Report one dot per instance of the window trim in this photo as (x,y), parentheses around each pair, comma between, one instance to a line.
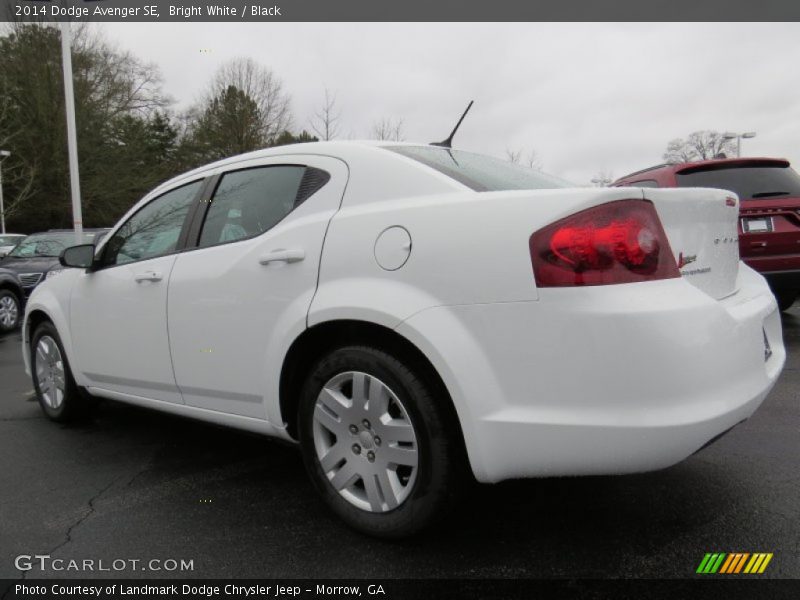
(180,245)
(196,229)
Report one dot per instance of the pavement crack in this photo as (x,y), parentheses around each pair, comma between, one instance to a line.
(144,469)
(87,513)
(90,509)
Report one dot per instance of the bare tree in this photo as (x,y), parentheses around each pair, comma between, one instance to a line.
(513,156)
(698,145)
(532,159)
(111,87)
(259,84)
(325,122)
(603,178)
(388,129)
(116,82)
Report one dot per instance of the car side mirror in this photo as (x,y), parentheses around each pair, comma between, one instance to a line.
(81,257)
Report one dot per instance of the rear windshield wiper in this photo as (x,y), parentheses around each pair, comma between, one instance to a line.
(768,194)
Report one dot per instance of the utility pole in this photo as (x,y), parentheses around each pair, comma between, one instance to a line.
(72,136)
(3,155)
(738,137)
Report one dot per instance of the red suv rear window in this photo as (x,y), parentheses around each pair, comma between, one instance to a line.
(752,182)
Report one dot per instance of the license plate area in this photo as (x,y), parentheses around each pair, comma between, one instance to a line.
(757,225)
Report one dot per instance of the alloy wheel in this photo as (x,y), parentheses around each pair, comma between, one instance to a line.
(49,368)
(9,312)
(365,441)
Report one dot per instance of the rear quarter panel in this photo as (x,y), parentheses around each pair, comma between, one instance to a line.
(466,248)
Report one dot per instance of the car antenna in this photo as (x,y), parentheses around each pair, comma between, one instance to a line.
(448,143)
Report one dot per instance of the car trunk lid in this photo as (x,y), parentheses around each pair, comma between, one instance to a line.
(701,227)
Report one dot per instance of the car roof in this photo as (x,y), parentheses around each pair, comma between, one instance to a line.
(338,149)
(708,165)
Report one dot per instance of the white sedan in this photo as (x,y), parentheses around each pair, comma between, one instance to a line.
(411,314)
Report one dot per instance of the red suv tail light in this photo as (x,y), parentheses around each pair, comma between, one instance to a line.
(618,242)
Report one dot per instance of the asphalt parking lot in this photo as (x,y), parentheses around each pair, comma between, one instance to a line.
(134,484)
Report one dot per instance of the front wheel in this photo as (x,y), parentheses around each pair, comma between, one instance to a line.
(58,395)
(9,310)
(375,442)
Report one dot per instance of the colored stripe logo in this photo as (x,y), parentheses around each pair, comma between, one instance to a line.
(734,563)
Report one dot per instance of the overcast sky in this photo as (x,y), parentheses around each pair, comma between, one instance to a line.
(585,97)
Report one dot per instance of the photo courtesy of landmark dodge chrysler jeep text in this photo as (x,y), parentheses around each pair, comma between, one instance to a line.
(410,313)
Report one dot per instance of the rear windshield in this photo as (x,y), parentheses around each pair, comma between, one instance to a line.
(749,183)
(479,172)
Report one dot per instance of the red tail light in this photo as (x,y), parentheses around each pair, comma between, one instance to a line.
(618,242)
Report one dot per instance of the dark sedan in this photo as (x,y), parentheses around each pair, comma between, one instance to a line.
(36,257)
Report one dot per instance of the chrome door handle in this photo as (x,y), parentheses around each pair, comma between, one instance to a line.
(283,255)
(148,276)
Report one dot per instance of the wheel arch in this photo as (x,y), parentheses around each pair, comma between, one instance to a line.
(35,317)
(8,284)
(43,306)
(310,346)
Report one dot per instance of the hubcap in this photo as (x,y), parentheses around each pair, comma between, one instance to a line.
(365,441)
(9,311)
(49,368)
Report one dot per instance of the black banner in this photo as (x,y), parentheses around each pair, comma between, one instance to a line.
(392,589)
(392,10)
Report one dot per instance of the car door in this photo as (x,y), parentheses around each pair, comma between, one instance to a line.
(118,311)
(244,292)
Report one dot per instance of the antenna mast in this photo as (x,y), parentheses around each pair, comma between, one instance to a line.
(448,143)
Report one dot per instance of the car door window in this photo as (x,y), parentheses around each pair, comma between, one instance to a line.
(154,230)
(248,202)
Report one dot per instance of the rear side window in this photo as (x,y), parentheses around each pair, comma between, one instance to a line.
(249,202)
(749,183)
(479,172)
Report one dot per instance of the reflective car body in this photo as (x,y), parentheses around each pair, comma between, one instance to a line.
(435,249)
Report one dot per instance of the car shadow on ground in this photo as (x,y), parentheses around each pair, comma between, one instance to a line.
(237,495)
(512,521)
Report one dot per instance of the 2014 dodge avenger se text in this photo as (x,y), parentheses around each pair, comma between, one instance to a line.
(410,313)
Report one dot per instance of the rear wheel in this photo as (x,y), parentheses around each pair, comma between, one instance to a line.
(785,299)
(55,387)
(9,310)
(375,443)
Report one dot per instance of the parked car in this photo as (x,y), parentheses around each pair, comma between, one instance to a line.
(769,195)
(8,241)
(35,258)
(11,300)
(412,313)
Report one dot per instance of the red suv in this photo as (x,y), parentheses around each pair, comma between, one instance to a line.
(769,224)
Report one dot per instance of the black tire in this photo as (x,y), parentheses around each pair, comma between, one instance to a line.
(439,469)
(785,299)
(7,297)
(73,404)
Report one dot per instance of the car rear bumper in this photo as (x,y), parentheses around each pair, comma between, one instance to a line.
(610,379)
